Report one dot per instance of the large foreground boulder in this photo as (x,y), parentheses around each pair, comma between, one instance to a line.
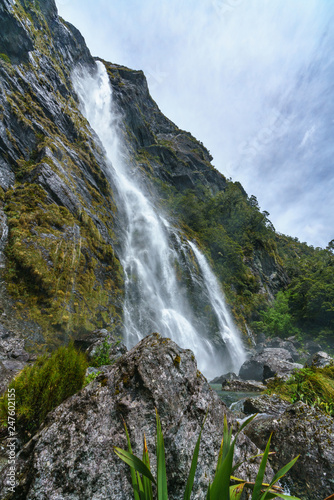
(297,429)
(72,456)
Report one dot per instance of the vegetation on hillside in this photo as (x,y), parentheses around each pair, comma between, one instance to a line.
(314,386)
(306,307)
(244,248)
(311,290)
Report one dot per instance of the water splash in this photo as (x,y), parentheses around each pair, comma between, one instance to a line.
(163,282)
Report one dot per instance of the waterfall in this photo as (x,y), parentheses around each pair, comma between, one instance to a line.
(169,286)
(3,237)
(227,328)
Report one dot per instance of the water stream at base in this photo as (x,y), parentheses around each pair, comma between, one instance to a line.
(169,286)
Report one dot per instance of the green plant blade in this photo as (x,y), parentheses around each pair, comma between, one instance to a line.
(147,484)
(286,497)
(279,475)
(220,487)
(220,455)
(236,491)
(140,489)
(161,463)
(226,442)
(193,467)
(283,471)
(134,462)
(134,481)
(245,423)
(260,474)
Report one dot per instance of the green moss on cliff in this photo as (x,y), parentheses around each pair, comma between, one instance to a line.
(60,271)
(5,58)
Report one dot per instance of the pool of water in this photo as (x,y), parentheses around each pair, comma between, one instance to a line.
(230,397)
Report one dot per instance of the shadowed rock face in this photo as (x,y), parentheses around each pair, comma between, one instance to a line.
(13,357)
(320,359)
(72,456)
(14,41)
(270,362)
(297,430)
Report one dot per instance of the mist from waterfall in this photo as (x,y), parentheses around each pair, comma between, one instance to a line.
(168,281)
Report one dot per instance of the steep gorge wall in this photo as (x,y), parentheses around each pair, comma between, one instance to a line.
(61,271)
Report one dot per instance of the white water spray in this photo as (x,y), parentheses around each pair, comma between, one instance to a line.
(156,284)
(227,328)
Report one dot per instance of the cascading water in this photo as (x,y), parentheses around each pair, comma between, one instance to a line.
(168,282)
(227,327)
(3,237)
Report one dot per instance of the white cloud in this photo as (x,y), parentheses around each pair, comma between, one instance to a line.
(249,78)
(308,136)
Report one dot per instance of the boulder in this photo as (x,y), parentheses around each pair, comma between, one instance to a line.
(223,378)
(269,363)
(276,342)
(264,404)
(92,342)
(312,347)
(298,430)
(115,351)
(85,342)
(295,342)
(252,369)
(284,344)
(243,386)
(72,454)
(13,357)
(231,382)
(319,360)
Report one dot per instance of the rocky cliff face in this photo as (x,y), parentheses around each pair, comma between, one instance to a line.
(161,149)
(61,271)
(59,221)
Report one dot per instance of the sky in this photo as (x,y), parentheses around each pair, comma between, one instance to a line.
(252,79)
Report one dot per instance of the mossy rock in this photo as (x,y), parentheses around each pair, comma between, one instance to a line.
(61,272)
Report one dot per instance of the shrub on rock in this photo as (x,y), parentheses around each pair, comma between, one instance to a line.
(43,386)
